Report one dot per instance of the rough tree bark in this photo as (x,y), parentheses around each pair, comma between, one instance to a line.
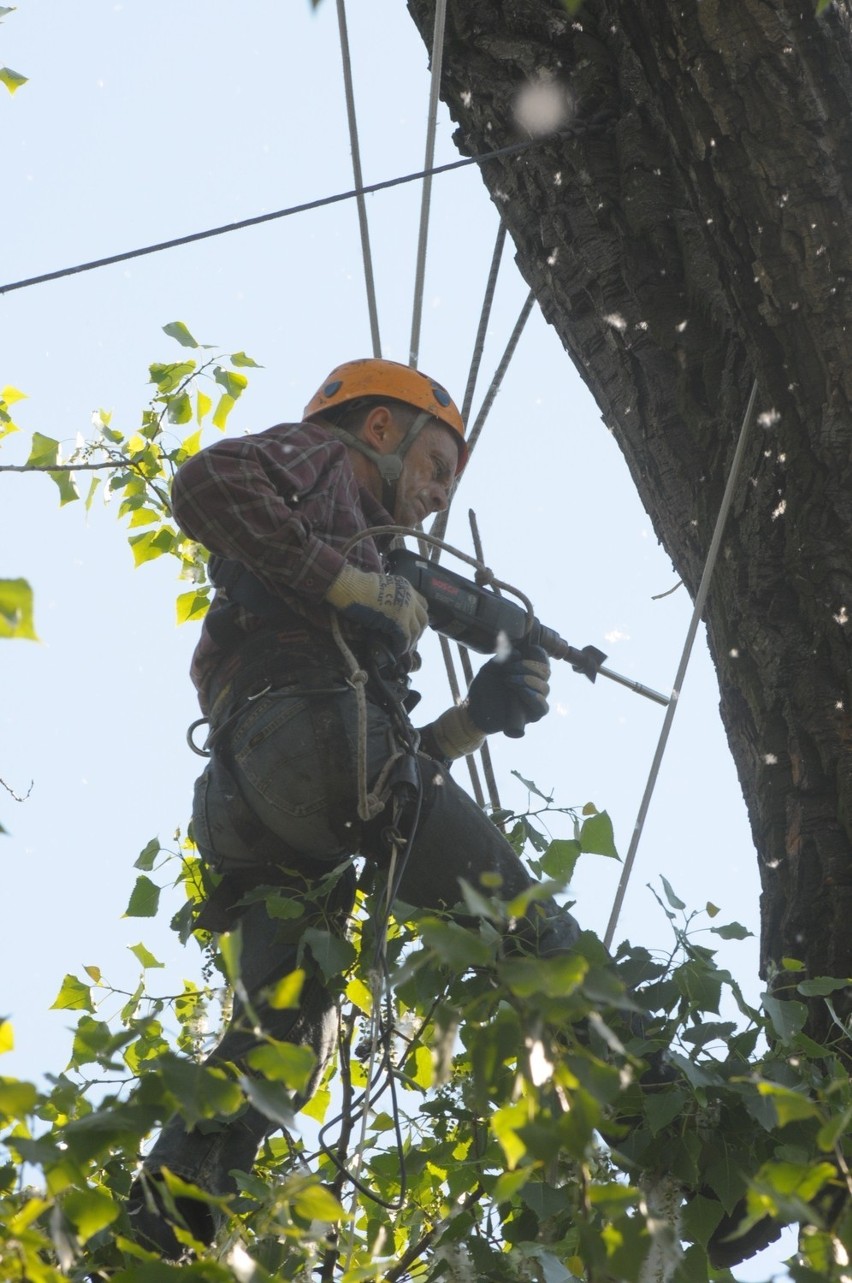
(692,235)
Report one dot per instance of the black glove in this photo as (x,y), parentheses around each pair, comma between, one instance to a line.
(508,693)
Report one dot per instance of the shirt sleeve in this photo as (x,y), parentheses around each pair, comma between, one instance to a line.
(240,499)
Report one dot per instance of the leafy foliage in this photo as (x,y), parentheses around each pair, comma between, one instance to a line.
(540,1119)
(11,79)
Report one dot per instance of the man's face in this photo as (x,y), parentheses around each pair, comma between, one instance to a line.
(428,471)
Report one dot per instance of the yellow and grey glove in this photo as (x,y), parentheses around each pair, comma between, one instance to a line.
(455,734)
(385,604)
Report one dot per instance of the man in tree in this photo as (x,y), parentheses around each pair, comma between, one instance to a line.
(305,768)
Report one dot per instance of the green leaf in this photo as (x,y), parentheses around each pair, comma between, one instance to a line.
(144,899)
(180,408)
(145,957)
(533,788)
(272,1099)
(223,409)
(240,358)
(700,1217)
(554,977)
(169,376)
(203,405)
(733,931)
(331,954)
(73,996)
(16,609)
(17,1098)
(596,836)
(147,857)
(192,605)
(44,451)
(788,1017)
(283,1062)
(821,985)
(12,79)
(89,1211)
(711,909)
(230,947)
(285,994)
(7,1036)
(789,1105)
(177,330)
(151,544)
(318,1204)
(560,858)
(701,985)
(455,945)
(670,895)
(830,1133)
(233,383)
(661,1108)
(200,1091)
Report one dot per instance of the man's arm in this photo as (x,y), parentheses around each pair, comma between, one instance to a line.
(239,498)
(505,695)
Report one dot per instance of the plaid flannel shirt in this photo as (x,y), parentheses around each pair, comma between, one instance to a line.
(282,503)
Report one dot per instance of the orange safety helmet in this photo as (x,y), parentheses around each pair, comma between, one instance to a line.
(374,377)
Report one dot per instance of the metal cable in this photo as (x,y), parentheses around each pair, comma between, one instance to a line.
(484,317)
(359,179)
(303,208)
(420,271)
(698,608)
(439,525)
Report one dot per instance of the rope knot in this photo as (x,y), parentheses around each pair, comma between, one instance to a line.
(358,678)
(484,577)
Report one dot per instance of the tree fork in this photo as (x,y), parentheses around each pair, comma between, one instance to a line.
(693,236)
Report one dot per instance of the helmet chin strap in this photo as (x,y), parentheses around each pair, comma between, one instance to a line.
(389,465)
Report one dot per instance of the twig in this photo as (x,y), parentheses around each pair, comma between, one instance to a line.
(418,1248)
(65,467)
(660,595)
(13,794)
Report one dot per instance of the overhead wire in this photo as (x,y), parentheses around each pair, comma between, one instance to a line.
(304,207)
(426,193)
(355,148)
(697,611)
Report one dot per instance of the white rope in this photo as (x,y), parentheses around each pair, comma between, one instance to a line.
(359,180)
(420,271)
(698,610)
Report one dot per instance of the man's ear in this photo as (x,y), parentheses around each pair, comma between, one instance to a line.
(379,430)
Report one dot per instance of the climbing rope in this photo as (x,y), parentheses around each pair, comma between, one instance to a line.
(426,195)
(697,611)
(359,179)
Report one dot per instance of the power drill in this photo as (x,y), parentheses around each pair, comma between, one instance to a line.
(478,618)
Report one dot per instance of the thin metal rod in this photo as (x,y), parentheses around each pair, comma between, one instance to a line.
(420,271)
(439,525)
(637,687)
(484,317)
(359,178)
(698,610)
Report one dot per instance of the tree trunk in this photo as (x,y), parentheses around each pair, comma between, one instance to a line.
(692,234)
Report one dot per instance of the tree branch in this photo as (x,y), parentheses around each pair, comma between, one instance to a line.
(65,467)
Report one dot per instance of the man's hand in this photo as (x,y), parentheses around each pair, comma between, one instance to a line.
(382,603)
(508,693)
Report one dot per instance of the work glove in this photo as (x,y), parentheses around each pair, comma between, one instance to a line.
(507,694)
(385,604)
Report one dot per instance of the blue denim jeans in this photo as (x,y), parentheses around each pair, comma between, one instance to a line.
(278,804)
